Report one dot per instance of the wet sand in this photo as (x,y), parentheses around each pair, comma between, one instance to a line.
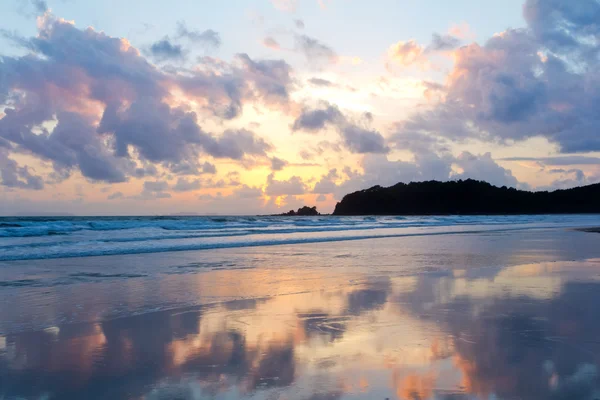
(591,230)
(500,315)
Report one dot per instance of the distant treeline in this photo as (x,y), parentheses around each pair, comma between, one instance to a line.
(466,197)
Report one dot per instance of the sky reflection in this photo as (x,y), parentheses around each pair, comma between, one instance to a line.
(525,331)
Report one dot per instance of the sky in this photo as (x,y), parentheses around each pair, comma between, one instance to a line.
(153,107)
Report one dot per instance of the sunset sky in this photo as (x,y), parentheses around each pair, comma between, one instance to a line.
(261,106)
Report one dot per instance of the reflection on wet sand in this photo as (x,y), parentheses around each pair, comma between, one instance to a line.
(519,332)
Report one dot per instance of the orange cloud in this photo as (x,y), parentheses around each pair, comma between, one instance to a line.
(407,54)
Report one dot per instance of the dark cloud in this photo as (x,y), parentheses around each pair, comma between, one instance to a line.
(277,164)
(146,170)
(159,132)
(164,49)
(271,78)
(356,138)
(227,88)
(235,144)
(321,82)
(40,6)
(14,176)
(564,29)
(299,23)
(115,196)
(443,42)
(207,37)
(417,142)
(155,186)
(314,50)
(186,185)
(313,120)
(555,161)
(209,168)
(74,78)
(360,140)
(536,81)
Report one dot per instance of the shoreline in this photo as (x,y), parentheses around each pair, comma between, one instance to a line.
(590,230)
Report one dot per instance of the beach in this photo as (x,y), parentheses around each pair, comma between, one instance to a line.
(317,308)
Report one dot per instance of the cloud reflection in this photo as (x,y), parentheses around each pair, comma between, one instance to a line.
(376,339)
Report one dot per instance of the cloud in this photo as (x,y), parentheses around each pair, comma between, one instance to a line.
(360,140)
(356,138)
(410,53)
(209,168)
(186,185)
(146,170)
(522,83)
(321,82)
(235,144)
(155,186)
(115,196)
(299,23)
(406,53)
(277,164)
(427,164)
(291,187)
(164,49)
(246,80)
(313,120)
(40,6)
(155,190)
(314,50)
(483,168)
(207,37)
(271,43)
(248,192)
(444,42)
(285,5)
(25,7)
(556,161)
(327,183)
(570,178)
(114,111)
(15,176)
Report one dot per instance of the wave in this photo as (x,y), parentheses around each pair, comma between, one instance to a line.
(39,238)
(34,227)
(91,251)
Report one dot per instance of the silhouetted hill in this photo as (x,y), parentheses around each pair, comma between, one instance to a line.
(466,197)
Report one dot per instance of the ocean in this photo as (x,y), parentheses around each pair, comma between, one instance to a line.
(313,308)
(29,238)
